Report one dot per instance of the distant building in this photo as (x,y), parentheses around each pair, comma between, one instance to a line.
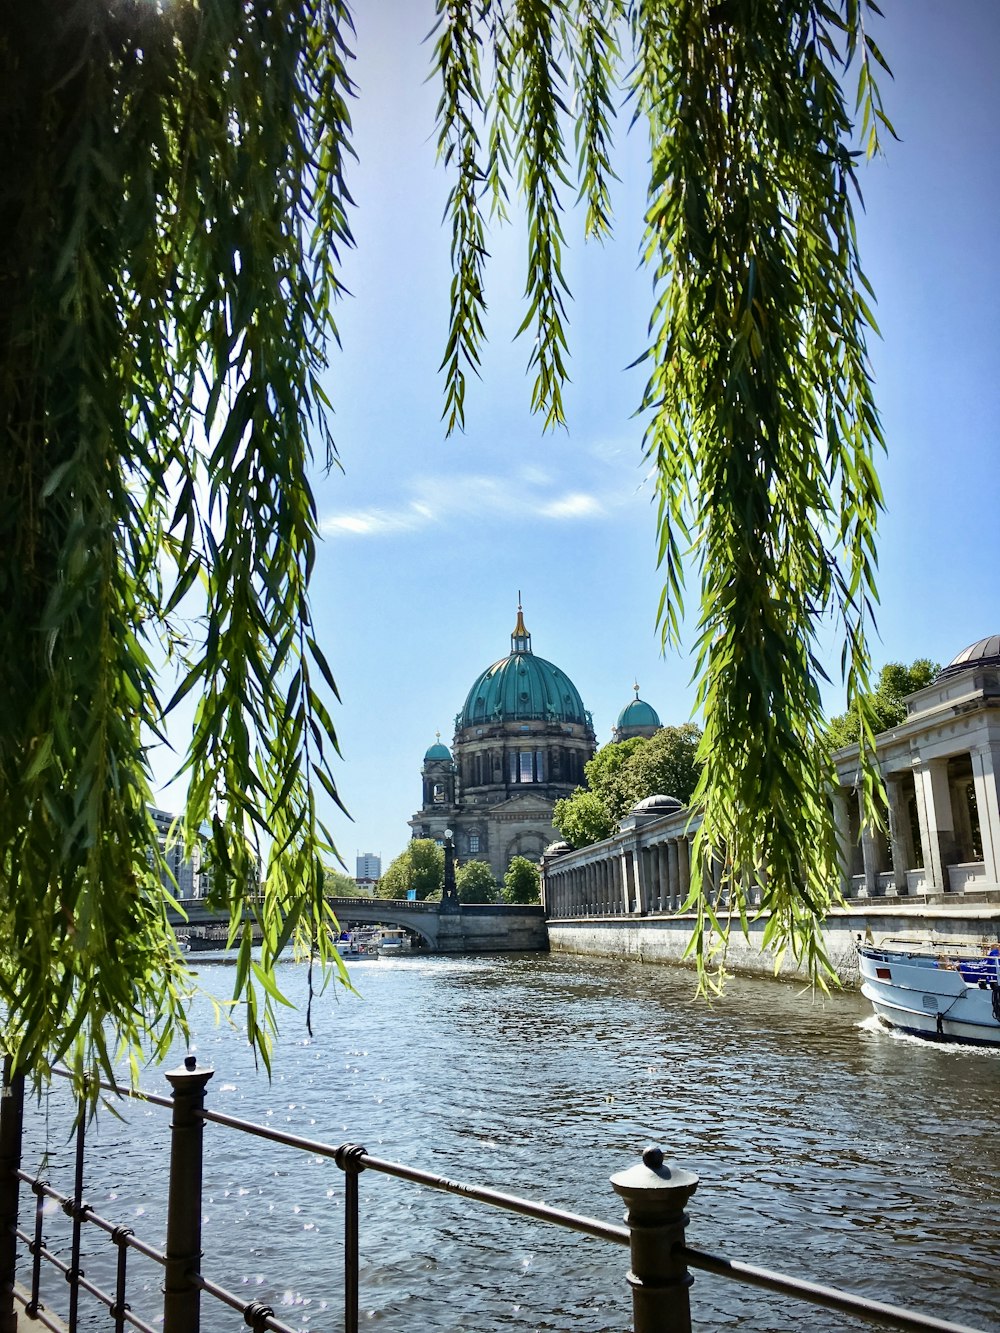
(521,741)
(187,873)
(367,869)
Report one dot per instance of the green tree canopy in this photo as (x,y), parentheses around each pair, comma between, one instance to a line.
(622,773)
(420,867)
(338,884)
(522,882)
(885,705)
(476,883)
(173,210)
(582,818)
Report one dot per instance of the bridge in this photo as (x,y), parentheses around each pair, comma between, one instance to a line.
(442,927)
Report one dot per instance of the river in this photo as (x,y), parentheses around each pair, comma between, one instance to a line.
(826,1148)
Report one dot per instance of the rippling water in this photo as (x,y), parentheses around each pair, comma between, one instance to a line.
(826,1147)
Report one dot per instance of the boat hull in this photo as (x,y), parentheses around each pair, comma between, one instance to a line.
(934,996)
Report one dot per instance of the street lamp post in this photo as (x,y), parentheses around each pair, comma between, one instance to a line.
(449,895)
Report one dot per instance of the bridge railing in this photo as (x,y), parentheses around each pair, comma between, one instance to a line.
(655,1194)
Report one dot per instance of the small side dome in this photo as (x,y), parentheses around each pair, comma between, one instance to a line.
(657,805)
(985,653)
(637,713)
(438,752)
(558,849)
(637,718)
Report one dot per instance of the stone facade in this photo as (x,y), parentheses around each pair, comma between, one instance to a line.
(521,742)
(940,861)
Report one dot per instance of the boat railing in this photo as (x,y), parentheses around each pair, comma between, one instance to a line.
(965,948)
(654,1192)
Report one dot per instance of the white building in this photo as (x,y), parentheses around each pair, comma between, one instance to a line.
(941,768)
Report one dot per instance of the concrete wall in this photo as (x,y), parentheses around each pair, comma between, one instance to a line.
(485,928)
(664,939)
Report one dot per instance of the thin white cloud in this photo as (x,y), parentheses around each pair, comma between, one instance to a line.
(433,500)
(578,505)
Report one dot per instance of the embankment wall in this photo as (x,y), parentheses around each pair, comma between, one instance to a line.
(664,939)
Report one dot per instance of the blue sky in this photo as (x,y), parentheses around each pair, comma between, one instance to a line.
(428,539)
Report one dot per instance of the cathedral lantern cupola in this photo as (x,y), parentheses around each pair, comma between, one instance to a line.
(520,640)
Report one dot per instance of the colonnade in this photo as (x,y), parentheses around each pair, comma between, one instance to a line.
(943,827)
(623,876)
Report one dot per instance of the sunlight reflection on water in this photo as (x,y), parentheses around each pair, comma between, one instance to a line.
(826,1146)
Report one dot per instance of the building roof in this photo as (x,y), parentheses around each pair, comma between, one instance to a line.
(984,653)
(438,751)
(521,688)
(637,713)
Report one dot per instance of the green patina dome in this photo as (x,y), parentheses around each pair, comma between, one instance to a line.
(438,751)
(522,688)
(638,713)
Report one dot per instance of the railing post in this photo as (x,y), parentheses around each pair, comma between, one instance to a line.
(655,1195)
(11,1120)
(181,1297)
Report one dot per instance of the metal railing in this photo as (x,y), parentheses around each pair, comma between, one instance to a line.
(654,1192)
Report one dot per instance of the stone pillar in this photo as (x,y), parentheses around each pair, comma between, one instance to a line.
(675,848)
(662,878)
(986,778)
(842,823)
(624,884)
(640,860)
(869,853)
(683,870)
(937,823)
(900,833)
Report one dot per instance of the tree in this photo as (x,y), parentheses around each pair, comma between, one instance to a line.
(761,423)
(173,210)
(337,884)
(476,883)
(621,774)
(885,704)
(582,818)
(420,867)
(522,882)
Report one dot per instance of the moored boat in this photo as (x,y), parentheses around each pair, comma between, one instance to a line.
(941,991)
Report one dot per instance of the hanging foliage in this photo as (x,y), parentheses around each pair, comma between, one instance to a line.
(173,203)
(173,208)
(761,425)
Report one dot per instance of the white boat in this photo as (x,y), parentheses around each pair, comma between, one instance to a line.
(392,941)
(942,991)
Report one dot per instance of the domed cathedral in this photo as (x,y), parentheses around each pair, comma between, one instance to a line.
(637,718)
(521,741)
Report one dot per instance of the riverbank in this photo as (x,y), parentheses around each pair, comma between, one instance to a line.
(664,938)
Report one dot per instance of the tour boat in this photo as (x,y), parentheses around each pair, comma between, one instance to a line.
(942,991)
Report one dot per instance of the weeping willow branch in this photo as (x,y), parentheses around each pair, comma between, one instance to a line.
(173,209)
(761,423)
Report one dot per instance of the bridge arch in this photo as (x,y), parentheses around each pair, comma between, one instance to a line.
(420,918)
